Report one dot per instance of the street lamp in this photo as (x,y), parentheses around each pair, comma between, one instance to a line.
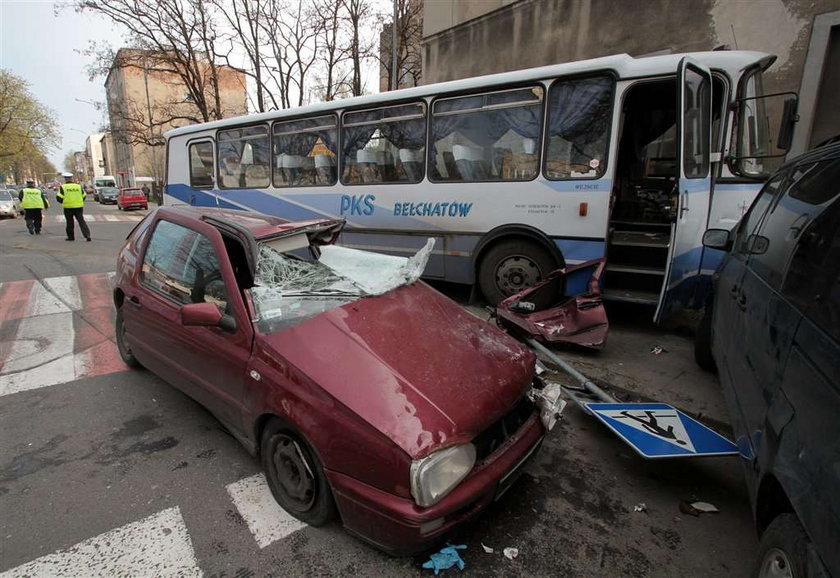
(95,105)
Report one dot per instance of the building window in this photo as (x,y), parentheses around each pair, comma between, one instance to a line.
(487,137)
(244,155)
(305,152)
(201,164)
(579,114)
(384,145)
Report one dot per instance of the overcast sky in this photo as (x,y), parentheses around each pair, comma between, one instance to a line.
(45,49)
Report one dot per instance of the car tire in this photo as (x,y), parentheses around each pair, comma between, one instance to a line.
(125,351)
(703,343)
(295,475)
(783,550)
(511,266)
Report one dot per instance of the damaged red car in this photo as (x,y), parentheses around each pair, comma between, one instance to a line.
(367,395)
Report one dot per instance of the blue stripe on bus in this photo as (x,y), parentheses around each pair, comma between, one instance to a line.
(294,207)
(577,251)
(197,197)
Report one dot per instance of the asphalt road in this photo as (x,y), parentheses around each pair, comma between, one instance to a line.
(106,468)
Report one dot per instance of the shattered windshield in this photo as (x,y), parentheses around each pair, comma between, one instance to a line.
(289,289)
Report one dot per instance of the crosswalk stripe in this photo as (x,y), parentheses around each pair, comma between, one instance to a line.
(267,521)
(63,331)
(104,218)
(159,545)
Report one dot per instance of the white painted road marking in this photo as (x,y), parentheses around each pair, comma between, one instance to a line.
(61,329)
(267,521)
(104,218)
(155,546)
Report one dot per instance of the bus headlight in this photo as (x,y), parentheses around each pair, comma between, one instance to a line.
(434,476)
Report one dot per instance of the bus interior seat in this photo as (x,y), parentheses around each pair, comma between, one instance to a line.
(412,163)
(366,161)
(453,174)
(325,169)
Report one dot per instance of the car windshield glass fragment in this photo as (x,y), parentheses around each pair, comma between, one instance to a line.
(290,290)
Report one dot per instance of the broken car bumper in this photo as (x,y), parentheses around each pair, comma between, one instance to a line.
(397,525)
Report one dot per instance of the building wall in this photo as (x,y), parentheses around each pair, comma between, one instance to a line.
(467,38)
(167,97)
(95,153)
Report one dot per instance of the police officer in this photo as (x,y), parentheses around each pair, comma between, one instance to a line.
(72,198)
(33,201)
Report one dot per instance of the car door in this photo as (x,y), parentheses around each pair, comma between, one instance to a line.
(807,460)
(183,265)
(729,315)
(685,252)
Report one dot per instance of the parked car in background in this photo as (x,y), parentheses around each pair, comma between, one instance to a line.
(108,195)
(131,198)
(301,349)
(9,204)
(774,335)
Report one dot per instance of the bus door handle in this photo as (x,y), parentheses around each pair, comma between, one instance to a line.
(683,203)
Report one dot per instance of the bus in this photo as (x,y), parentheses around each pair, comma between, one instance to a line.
(517,174)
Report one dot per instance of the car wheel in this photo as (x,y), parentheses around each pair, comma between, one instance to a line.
(703,342)
(122,346)
(511,266)
(295,475)
(783,550)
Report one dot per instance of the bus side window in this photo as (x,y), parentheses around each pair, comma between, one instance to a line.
(244,158)
(305,151)
(384,145)
(201,164)
(487,137)
(579,114)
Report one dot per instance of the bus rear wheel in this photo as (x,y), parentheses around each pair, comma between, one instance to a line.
(511,266)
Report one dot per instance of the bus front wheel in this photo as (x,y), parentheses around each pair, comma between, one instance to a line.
(511,266)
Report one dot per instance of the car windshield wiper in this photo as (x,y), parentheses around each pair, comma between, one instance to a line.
(321,293)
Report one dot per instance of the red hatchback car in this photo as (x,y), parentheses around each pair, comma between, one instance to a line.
(366,394)
(132,198)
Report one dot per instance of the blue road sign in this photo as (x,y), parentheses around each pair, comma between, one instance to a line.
(658,430)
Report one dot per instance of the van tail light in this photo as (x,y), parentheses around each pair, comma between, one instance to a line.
(583,210)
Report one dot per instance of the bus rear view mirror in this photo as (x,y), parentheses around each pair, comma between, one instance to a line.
(789,118)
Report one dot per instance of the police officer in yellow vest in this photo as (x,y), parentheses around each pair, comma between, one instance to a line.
(72,198)
(33,201)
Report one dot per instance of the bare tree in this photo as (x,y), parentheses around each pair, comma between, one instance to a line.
(334,52)
(409,22)
(242,18)
(176,37)
(356,13)
(292,30)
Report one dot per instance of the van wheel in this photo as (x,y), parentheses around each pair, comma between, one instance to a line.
(783,550)
(511,266)
(295,476)
(703,342)
(122,346)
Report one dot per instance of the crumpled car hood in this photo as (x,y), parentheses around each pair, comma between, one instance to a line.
(412,364)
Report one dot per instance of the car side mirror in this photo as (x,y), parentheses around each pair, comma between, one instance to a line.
(717,239)
(206,315)
(757,244)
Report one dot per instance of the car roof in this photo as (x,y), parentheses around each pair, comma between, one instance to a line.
(259,225)
(825,152)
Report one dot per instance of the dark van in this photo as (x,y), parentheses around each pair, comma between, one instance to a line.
(775,339)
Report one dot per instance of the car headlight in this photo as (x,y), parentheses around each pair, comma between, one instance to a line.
(434,476)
